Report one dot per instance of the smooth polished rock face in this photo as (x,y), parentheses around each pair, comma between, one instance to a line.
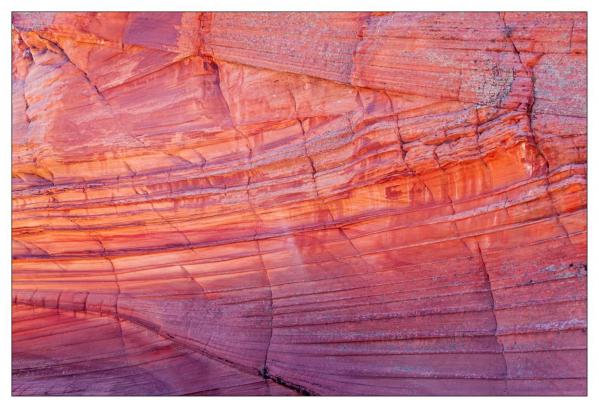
(299,203)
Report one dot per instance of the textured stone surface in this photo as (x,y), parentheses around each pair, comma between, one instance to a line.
(299,203)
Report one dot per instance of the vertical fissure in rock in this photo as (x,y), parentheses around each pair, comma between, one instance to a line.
(493,311)
(264,367)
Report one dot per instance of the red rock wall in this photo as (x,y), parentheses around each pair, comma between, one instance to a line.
(299,203)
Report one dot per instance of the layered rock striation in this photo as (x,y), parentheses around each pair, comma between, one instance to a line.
(299,203)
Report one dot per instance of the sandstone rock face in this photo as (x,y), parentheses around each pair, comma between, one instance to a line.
(299,203)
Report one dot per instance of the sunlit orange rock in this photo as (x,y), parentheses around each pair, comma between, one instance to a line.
(299,203)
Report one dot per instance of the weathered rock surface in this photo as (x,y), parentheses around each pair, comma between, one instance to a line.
(299,203)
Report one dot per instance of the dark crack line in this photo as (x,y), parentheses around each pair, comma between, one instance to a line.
(100,95)
(192,279)
(264,368)
(310,160)
(493,309)
(454,223)
(530,114)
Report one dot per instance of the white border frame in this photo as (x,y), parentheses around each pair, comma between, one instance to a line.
(287,5)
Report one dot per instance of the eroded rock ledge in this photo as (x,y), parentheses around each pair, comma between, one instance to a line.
(299,203)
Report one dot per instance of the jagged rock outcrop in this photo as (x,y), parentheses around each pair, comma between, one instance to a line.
(299,203)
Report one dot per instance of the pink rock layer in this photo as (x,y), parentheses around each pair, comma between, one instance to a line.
(299,203)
